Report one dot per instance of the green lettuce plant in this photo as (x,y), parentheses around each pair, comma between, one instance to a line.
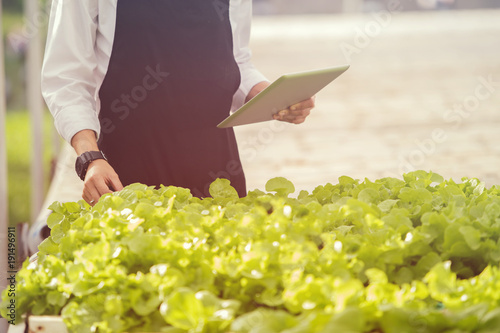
(413,255)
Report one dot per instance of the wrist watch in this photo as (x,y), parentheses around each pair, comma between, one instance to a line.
(83,161)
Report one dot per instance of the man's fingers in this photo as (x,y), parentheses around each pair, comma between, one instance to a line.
(100,179)
(298,120)
(116,184)
(296,110)
(305,113)
(85,197)
(101,186)
(90,195)
(298,114)
(307,104)
(288,115)
(96,187)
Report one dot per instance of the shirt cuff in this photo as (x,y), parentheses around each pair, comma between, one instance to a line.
(250,76)
(72,120)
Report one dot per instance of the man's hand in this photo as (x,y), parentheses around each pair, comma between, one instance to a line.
(101,178)
(295,114)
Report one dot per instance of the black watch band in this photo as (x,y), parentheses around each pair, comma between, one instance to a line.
(83,161)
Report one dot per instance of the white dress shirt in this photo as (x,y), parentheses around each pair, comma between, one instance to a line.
(77,53)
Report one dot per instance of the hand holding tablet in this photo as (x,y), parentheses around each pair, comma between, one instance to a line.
(288,90)
(297,113)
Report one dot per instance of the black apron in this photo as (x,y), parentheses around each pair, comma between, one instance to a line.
(171,79)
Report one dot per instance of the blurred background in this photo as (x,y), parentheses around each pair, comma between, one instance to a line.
(422,93)
(279,7)
(423,90)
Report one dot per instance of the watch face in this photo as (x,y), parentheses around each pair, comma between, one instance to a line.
(79,167)
(83,161)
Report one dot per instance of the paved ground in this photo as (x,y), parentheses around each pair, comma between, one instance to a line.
(416,97)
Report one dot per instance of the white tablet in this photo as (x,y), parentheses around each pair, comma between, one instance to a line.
(289,89)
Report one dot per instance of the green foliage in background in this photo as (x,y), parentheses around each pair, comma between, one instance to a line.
(17,30)
(17,122)
(14,63)
(418,255)
(19,143)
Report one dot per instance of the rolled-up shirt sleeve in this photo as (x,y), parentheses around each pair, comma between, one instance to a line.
(68,80)
(241,18)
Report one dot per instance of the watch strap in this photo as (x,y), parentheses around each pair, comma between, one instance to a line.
(83,161)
